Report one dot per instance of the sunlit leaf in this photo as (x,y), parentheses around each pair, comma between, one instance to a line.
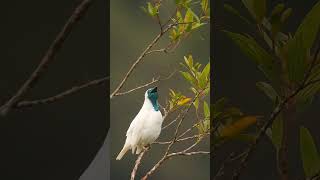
(183,101)
(204,6)
(189,78)
(206,109)
(196,103)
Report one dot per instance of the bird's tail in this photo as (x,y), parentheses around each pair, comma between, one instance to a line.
(123,151)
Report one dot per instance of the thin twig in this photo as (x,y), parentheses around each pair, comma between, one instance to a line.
(136,165)
(157,51)
(78,13)
(60,96)
(158,79)
(182,139)
(170,155)
(142,55)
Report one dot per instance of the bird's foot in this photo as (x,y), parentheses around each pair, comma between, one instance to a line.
(147,147)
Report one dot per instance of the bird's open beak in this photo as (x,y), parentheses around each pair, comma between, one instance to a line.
(155,89)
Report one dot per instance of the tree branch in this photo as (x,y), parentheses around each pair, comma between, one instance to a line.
(78,13)
(262,131)
(138,161)
(62,95)
(142,55)
(145,85)
(276,112)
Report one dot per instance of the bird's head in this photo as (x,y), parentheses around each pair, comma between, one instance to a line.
(152,95)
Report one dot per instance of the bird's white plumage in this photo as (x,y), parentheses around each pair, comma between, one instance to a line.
(144,129)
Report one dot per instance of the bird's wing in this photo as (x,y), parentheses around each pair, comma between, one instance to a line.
(137,125)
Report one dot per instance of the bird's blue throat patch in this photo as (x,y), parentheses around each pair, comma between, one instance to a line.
(153,96)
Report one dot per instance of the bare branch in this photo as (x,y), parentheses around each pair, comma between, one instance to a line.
(142,55)
(136,165)
(145,85)
(182,139)
(56,45)
(188,153)
(167,156)
(157,51)
(62,95)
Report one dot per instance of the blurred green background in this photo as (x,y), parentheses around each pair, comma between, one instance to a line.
(131,31)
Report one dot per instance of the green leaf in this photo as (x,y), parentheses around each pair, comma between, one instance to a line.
(188,19)
(260,9)
(150,8)
(197,25)
(189,78)
(236,13)
(260,56)
(268,90)
(276,130)
(204,6)
(257,8)
(189,61)
(277,9)
(286,14)
(206,110)
(203,78)
(296,59)
(309,153)
(309,27)
(196,103)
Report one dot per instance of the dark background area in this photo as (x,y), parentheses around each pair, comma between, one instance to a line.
(234,77)
(59,140)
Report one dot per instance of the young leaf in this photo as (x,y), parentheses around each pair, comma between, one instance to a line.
(183,101)
(196,103)
(189,78)
(309,153)
(151,9)
(188,19)
(203,78)
(206,110)
(204,6)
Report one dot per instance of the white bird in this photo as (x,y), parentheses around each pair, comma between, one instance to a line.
(146,126)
